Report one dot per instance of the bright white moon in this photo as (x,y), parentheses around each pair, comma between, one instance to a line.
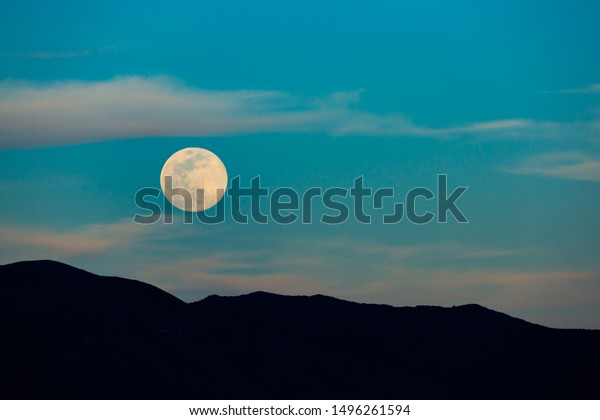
(198,171)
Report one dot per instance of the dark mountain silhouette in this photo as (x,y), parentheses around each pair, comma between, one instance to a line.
(70,334)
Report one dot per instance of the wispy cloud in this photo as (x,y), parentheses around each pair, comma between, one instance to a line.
(44,243)
(134,107)
(44,55)
(595,88)
(54,243)
(567,165)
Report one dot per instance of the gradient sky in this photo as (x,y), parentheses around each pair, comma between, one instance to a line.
(503,97)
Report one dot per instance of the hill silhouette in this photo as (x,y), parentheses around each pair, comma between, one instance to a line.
(70,334)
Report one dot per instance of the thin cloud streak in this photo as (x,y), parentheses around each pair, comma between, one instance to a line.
(20,243)
(565,165)
(133,107)
(594,88)
(34,114)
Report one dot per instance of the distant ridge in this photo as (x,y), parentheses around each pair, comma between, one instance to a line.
(70,334)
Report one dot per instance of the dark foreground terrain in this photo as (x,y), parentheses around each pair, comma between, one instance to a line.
(70,334)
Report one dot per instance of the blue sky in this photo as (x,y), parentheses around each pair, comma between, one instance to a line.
(504,97)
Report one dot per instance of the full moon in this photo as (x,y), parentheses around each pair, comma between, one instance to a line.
(197,172)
